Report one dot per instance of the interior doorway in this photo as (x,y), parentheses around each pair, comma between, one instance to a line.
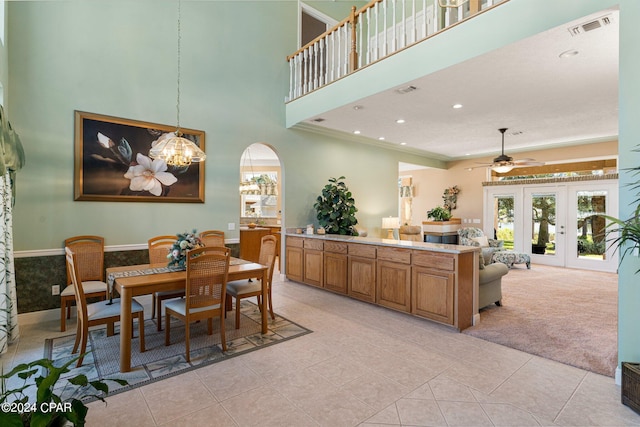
(260,186)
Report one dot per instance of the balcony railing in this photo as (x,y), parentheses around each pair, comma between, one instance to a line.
(372,33)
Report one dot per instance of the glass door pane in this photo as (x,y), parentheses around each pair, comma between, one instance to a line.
(543,224)
(503,220)
(590,225)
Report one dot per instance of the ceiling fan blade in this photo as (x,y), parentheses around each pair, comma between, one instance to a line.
(527,162)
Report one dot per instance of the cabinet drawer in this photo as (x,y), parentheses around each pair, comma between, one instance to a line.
(335,247)
(294,242)
(437,261)
(364,251)
(313,244)
(401,256)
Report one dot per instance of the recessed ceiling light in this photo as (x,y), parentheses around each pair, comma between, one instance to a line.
(568,53)
(400,121)
(457,106)
(381,138)
(358,107)
(403,143)
(357,132)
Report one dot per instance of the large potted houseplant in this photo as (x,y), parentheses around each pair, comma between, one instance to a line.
(335,208)
(626,240)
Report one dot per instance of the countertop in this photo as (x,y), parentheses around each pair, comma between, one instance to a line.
(407,244)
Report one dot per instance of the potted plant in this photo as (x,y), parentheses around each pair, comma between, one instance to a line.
(441,221)
(49,409)
(335,208)
(627,240)
(439,214)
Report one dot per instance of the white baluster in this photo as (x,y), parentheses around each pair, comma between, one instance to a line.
(315,65)
(403,39)
(323,67)
(369,44)
(377,13)
(305,68)
(291,70)
(384,24)
(360,40)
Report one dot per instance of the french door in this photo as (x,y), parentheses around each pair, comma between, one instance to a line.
(556,224)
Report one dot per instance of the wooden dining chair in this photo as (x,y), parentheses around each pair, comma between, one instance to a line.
(89,251)
(212,237)
(240,289)
(159,248)
(205,294)
(98,313)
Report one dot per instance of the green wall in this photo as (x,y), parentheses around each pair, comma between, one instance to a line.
(119,58)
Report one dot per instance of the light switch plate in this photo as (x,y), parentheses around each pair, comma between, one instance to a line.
(232,226)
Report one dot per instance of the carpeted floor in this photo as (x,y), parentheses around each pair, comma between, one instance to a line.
(566,315)
(160,361)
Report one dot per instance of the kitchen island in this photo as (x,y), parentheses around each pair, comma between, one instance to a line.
(438,282)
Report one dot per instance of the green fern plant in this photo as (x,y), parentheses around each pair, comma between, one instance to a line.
(335,208)
(49,409)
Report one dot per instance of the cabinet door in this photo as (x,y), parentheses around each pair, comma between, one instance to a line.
(313,267)
(294,263)
(335,272)
(394,285)
(432,294)
(362,278)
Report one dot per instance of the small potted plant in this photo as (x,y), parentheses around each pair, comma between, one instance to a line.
(335,208)
(441,221)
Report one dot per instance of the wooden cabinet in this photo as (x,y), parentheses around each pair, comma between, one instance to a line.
(250,241)
(295,263)
(313,265)
(394,278)
(433,286)
(433,294)
(361,283)
(335,266)
(423,280)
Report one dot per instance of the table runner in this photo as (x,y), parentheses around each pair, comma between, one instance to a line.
(111,277)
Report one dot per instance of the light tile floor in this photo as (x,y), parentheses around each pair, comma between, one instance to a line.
(362,366)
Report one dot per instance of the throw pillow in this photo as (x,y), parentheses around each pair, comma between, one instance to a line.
(482,240)
(481,261)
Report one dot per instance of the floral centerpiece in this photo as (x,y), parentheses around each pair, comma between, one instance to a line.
(178,253)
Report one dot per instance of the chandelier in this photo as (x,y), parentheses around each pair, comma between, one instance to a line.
(174,149)
(249,186)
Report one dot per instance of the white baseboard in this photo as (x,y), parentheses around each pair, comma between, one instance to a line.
(38,316)
(476,319)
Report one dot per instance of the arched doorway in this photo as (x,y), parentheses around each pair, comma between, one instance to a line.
(261,198)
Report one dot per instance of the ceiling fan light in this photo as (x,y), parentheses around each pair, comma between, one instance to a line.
(502,168)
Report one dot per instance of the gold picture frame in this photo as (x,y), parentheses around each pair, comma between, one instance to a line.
(112,163)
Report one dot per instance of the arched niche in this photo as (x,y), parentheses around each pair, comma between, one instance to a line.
(260,185)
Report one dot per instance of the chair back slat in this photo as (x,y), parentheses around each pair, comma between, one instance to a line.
(89,252)
(206,278)
(75,275)
(159,248)
(212,237)
(267,257)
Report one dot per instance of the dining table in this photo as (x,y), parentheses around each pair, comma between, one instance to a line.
(144,279)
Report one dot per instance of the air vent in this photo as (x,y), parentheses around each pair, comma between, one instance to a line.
(405,90)
(603,21)
(318,120)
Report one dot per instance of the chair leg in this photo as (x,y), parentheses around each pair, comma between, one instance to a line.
(111,329)
(158,308)
(78,336)
(153,305)
(270,301)
(186,339)
(210,326)
(141,330)
(237,313)
(222,335)
(167,329)
(63,315)
(83,345)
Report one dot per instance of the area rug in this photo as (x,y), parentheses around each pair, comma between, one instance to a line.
(159,361)
(566,315)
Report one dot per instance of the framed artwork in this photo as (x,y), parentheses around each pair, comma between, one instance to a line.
(112,162)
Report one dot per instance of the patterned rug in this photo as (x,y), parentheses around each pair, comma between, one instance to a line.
(159,361)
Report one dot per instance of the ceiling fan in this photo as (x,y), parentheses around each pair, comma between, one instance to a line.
(504,163)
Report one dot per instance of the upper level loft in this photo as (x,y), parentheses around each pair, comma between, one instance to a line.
(373,33)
